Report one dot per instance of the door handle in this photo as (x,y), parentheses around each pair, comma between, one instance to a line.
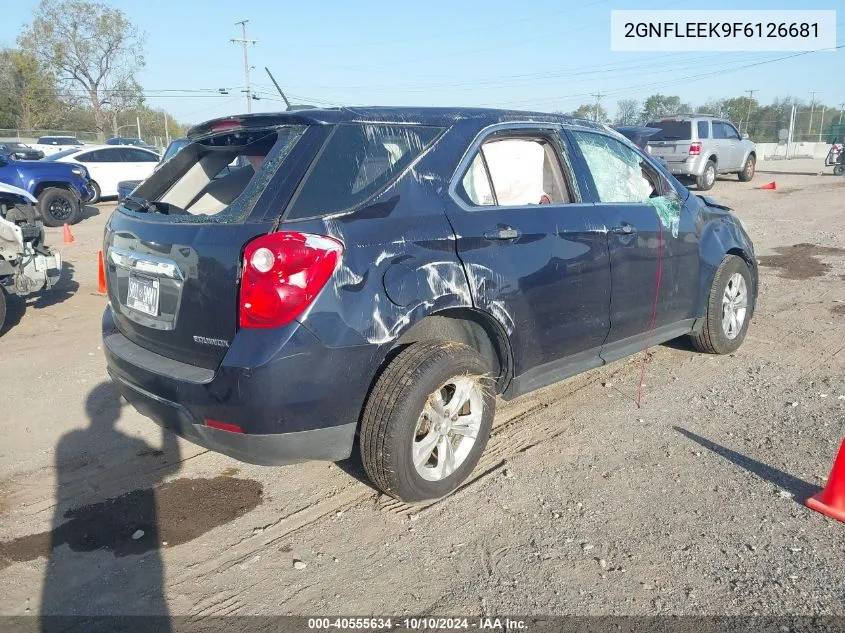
(505,233)
(624,229)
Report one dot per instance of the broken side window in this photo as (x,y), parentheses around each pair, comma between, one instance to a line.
(622,175)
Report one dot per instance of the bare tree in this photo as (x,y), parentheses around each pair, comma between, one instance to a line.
(627,112)
(93,50)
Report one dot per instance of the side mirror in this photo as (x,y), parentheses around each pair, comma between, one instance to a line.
(745,136)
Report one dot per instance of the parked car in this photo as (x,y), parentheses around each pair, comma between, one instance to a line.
(108,165)
(53,144)
(126,140)
(60,189)
(700,146)
(27,265)
(21,151)
(388,271)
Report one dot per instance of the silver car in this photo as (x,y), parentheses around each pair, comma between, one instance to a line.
(700,146)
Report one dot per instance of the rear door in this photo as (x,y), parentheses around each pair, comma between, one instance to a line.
(652,244)
(106,167)
(535,253)
(733,146)
(139,163)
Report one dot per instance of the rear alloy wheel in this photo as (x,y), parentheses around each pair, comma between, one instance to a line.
(729,308)
(97,193)
(707,178)
(747,172)
(427,421)
(839,170)
(58,206)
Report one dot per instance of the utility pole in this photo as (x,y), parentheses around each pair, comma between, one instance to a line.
(166,132)
(748,115)
(138,123)
(821,124)
(598,97)
(841,107)
(812,105)
(245,42)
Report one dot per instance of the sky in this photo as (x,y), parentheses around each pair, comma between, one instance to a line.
(548,55)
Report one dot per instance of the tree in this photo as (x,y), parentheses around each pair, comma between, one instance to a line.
(29,98)
(627,112)
(658,105)
(93,49)
(588,111)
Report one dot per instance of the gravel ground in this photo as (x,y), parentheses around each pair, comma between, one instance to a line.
(582,504)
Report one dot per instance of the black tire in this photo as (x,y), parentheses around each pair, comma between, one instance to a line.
(713,339)
(395,407)
(58,206)
(839,170)
(97,193)
(706,180)
(748,169)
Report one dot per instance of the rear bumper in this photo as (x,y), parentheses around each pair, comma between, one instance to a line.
(692,166)
(295,398)
(278,449)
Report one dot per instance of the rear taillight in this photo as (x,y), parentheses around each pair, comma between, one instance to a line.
(695,148)
(223,426)
(282,273)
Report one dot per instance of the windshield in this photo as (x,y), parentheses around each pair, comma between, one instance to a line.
(671,130)
(174,147)
(62,154)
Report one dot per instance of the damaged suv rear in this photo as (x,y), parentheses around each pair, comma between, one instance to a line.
(385,273)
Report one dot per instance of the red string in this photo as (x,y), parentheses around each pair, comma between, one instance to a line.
(653,308)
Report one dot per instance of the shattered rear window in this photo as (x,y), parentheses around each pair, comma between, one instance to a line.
(671,130)
(357,162)
(217,178)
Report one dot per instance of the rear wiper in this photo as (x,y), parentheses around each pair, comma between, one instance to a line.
(134,203)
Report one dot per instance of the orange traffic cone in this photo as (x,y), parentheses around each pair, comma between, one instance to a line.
(68,236)
(831,501)
(771,185)
(101,273)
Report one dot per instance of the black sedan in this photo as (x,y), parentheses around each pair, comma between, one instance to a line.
(21,151)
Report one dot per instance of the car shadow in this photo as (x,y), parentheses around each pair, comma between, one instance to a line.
(798,488)
(682,343)
(88,211)
(354,466)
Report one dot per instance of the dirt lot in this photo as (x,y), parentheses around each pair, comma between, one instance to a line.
(583,504)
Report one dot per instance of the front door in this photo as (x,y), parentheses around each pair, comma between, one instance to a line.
(652,244)
(535,253)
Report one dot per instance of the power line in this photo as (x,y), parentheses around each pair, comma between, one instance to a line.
(245,42)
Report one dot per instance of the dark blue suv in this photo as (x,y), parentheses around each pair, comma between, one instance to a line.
(385,273)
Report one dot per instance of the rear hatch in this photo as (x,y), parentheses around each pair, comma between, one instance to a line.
(173,248)
(672,140)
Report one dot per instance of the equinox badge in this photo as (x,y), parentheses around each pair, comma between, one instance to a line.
(217,342)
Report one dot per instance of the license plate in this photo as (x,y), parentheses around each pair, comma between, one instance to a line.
(143,295)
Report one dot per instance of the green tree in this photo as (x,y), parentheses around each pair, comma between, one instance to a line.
(589,111)
(93,49)
(658,105)
(627,112)
(29,98)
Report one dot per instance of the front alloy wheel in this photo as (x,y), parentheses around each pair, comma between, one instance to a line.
(734,306)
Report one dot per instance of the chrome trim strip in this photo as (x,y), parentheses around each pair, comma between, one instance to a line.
(145,263)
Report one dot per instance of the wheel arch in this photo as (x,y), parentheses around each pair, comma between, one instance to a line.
(51,184)
(720,239)
(472,327)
